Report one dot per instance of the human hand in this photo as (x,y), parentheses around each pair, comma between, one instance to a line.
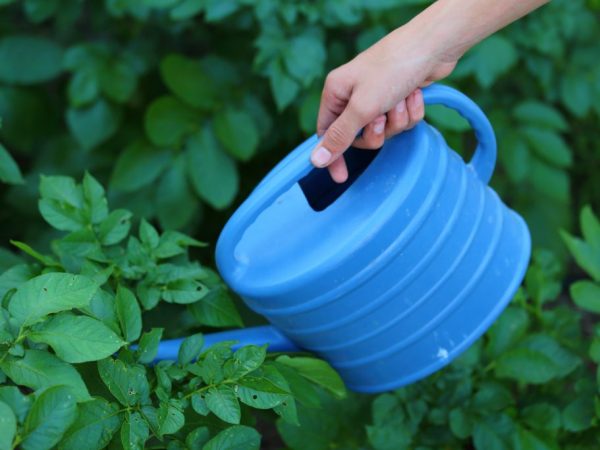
(378,91)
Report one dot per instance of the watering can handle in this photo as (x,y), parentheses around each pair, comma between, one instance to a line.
(298,165)
(484,158)
(267,334)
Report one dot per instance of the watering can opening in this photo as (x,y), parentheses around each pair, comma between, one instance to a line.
(321,191)
(313,222)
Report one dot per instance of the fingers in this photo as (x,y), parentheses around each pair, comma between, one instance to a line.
(334,98)
(398,119)
(373,134)
(340,134)
(338,170)
(415,107)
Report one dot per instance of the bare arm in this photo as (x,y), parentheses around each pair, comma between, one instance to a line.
(378,89)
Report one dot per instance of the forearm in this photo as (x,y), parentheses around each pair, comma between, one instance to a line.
(451,27)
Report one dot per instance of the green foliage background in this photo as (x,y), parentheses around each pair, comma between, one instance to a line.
(180,107)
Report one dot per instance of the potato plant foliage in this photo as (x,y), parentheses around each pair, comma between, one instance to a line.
(69,375)
(178,108)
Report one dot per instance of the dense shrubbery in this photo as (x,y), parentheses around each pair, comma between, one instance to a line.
(180,106)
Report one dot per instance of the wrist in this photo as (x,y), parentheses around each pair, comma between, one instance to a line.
(440,32)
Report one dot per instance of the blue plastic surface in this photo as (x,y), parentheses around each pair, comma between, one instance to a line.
(396,276)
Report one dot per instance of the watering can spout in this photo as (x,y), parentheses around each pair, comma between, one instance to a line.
(266,334)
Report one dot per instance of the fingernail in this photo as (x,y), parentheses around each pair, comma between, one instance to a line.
(419,95)
(401,107)
(320,157)
(379,126)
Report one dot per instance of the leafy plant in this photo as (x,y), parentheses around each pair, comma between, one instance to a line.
(76,360)
(180,107)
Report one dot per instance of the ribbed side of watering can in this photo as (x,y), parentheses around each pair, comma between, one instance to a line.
(430,256)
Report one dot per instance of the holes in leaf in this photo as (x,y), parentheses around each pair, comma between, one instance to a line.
(254,396)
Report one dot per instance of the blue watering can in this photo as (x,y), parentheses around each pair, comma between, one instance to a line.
(388,276)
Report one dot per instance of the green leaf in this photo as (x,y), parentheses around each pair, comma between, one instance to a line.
(83,88)
(579,414)
(40,369)
(139,165)
(199,404)
(170,417)
(507,331)
(490,59)
(15,277)
(212,172)
(586,295)
(538,359)
(540,114)
(526,366)
(190,348)
(222,401)
(287,411)
(309,110)
(184,292)
(128,383)
(61,215)
(118,80)
(549,181)
(317,371)
(246,359)
(115,227)
(50,416)
(217,309)
(197,438)
(96,423)
(77,339)
(148,234)
(492,396)
(173,243)
(585,255)
(134,432)
(129,314)
(8,425)
(94,124)
(549,146)
(515,157)
(260,393)
(219,9)
(575,93)
(168,121)
(284,88)
(493,433)
(61,189)
(17,401)
(542,416)
(460,423)
(301,388)
(32,59)
(237,132)
(525,440)
(9,171)
(94,199)
(188,81)
(304,57)
(44,259)
(176,204)
(447,118)
(238,437)
(50,293)
(590,227)
(148,346)
(40,10)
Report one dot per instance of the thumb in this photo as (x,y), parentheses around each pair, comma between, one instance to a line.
(339,136)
